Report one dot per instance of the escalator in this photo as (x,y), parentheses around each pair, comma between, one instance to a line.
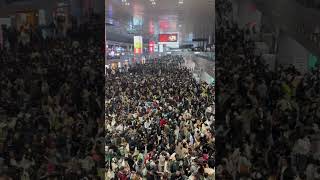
(298,21)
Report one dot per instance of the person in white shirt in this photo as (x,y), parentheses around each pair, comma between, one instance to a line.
(310,171)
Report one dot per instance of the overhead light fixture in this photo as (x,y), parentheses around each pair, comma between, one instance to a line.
(180,1)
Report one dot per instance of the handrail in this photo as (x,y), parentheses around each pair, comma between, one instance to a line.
(210,56)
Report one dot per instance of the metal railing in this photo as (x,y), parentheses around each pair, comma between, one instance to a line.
(210,56)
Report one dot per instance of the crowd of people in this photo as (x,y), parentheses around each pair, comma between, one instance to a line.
(267,120)
(159,123)
(52,122)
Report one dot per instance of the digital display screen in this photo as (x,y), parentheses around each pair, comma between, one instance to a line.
(168,38)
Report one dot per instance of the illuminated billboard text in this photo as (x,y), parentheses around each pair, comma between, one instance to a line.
(168,37)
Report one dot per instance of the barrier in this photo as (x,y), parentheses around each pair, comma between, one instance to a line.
(202,69)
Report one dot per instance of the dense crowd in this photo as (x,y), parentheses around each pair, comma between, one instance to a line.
(267,120)
(159,123)
(52,123)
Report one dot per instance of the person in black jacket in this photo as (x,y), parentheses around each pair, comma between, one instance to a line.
(286,171)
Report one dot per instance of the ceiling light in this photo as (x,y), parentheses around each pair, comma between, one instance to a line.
(180,1)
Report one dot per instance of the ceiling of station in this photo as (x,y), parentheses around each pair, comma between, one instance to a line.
(191,18)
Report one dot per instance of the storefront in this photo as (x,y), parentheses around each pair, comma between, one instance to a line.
(26,19)
(117,51)
(117,64)
(29,14)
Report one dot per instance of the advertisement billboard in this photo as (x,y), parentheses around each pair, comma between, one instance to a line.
(138,44)
(168,37)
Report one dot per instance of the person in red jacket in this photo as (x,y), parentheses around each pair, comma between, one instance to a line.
(122,174)
(163,122)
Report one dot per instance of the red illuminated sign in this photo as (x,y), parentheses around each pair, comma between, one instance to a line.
(151,46)
(168,37)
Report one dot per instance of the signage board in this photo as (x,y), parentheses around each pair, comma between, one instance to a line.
(138,44)
(168,37)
